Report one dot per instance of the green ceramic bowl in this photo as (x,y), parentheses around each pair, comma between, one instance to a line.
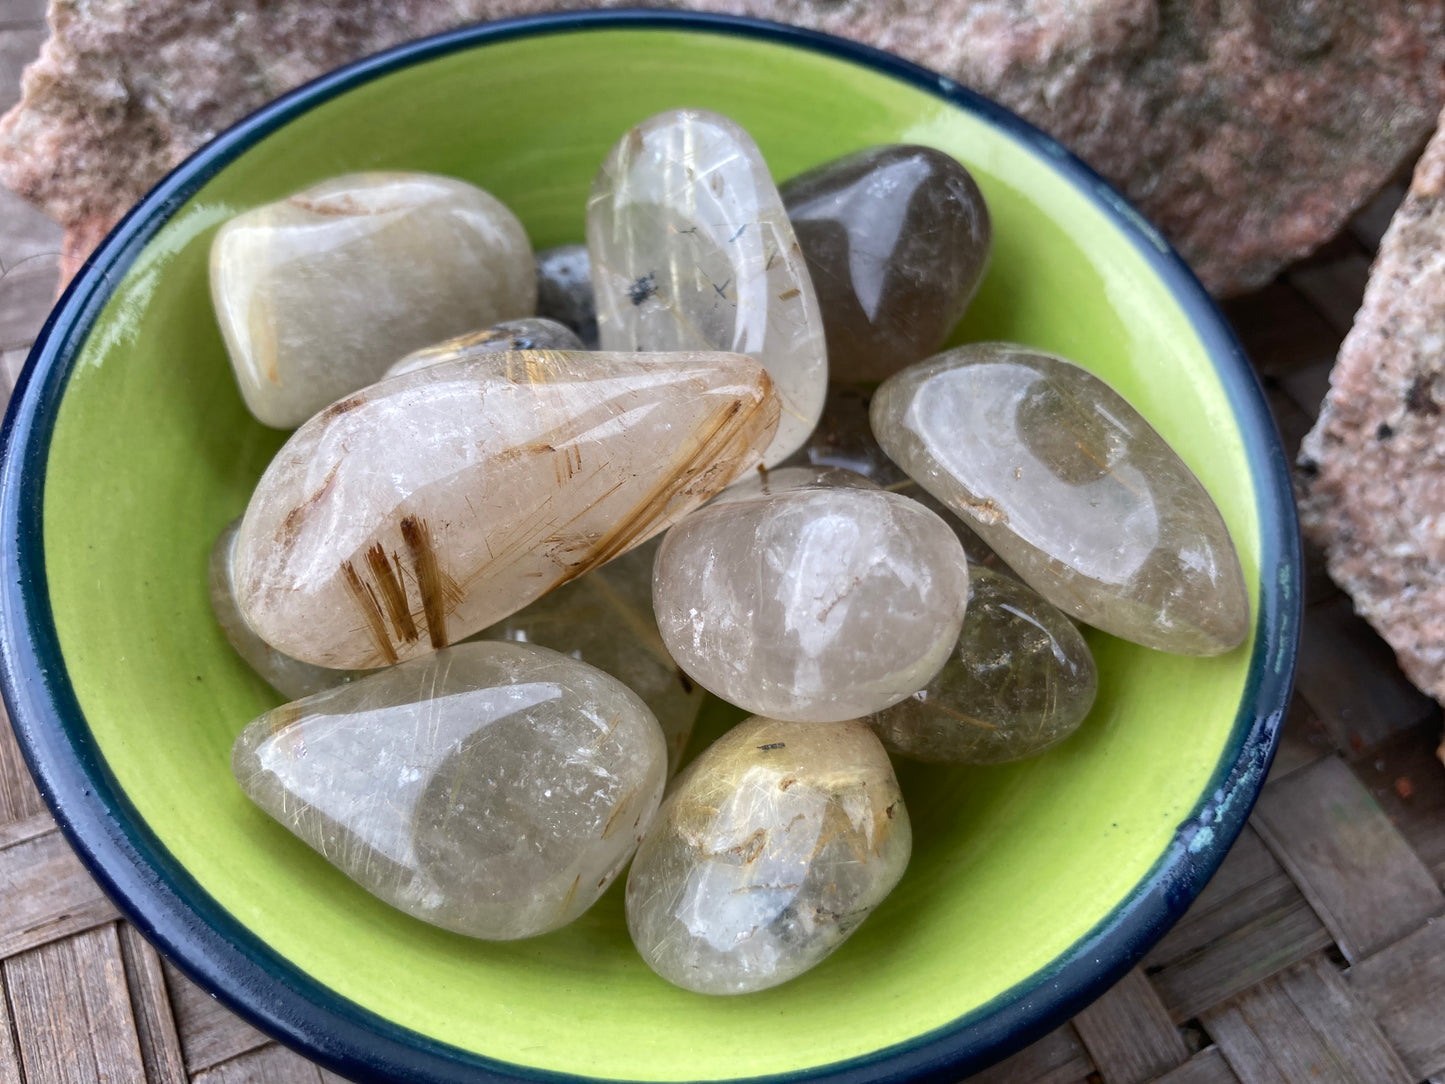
(127,449)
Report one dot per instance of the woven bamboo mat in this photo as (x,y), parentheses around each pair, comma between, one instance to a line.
(1315,956)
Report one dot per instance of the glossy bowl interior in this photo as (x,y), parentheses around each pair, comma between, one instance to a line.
(129,449)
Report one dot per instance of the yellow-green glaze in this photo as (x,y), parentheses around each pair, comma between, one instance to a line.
(154,453)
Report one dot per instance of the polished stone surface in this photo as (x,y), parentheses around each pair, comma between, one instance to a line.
(492,789)
(691,250)
(1020,680)
(1073,489)
(290,677)
(529,333)
(429,506)
(605,618)
(318,293)
(773,847)
(897,240)
(564,291)
(810,595)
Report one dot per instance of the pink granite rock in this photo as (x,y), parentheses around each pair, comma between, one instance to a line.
(1372,472)
(1249,130)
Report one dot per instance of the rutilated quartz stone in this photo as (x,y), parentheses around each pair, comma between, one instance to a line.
(810,595)
(1020,680)
(290,677)
(605,619)
(491,789)
(530,333)
(426,507)
(691,250)
(317,294)
(564,291)
(897,240)
(773,847)
(1073,488)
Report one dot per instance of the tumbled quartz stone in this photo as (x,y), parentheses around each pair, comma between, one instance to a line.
(290,677)
(773,847)
(564,291)
(317,294)
(1073,489)
(531,333)
(810,595)
(426,507)
(494,790)
(1020,680)
(897,239)
(605,618)
(691,250)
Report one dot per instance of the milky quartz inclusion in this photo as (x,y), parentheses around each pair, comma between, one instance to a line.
(775,844)
(1019,681)
(691,250)
(605,618)
(810,595)
(531,333)
(1073,489)
(318,293)
(491,789)
(426,507)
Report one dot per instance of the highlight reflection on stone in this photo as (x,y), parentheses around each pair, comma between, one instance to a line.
(426,507)
(691,250)
(1020,680)
(492,789)
(317,294)
(290,677)
(531,333)
(605,618)
(1074,489)
(810,595)
(775,845)
(564,291)
(897,239)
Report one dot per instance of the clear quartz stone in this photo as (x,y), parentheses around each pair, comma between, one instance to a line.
(1019,681)
(491,789)
(317,294)
(1073,488)
(531,333)
(605,619)
(810,595)
(691,250)
(771,849)
(426,507)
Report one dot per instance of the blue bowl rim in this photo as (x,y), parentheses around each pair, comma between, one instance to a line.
(156,893)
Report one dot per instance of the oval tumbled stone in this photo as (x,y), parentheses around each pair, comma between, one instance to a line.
(775,844)
(897,240)
(426,507)
(1019,681)
(317,294)
(691,250)
(531,333)
(1073,489)
(810,595)
(564,290)
(493,789)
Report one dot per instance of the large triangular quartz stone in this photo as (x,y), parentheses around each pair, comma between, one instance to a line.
(426,507)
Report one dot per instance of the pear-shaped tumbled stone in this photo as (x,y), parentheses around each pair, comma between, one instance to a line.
(429,506)
(897,239)
(605,618)
(491,789)
(775,844)
(1074,489)
(531,333)
(290,677)
(564,290)
(1020,680)
(317,294)
(810,595)
(691,250)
